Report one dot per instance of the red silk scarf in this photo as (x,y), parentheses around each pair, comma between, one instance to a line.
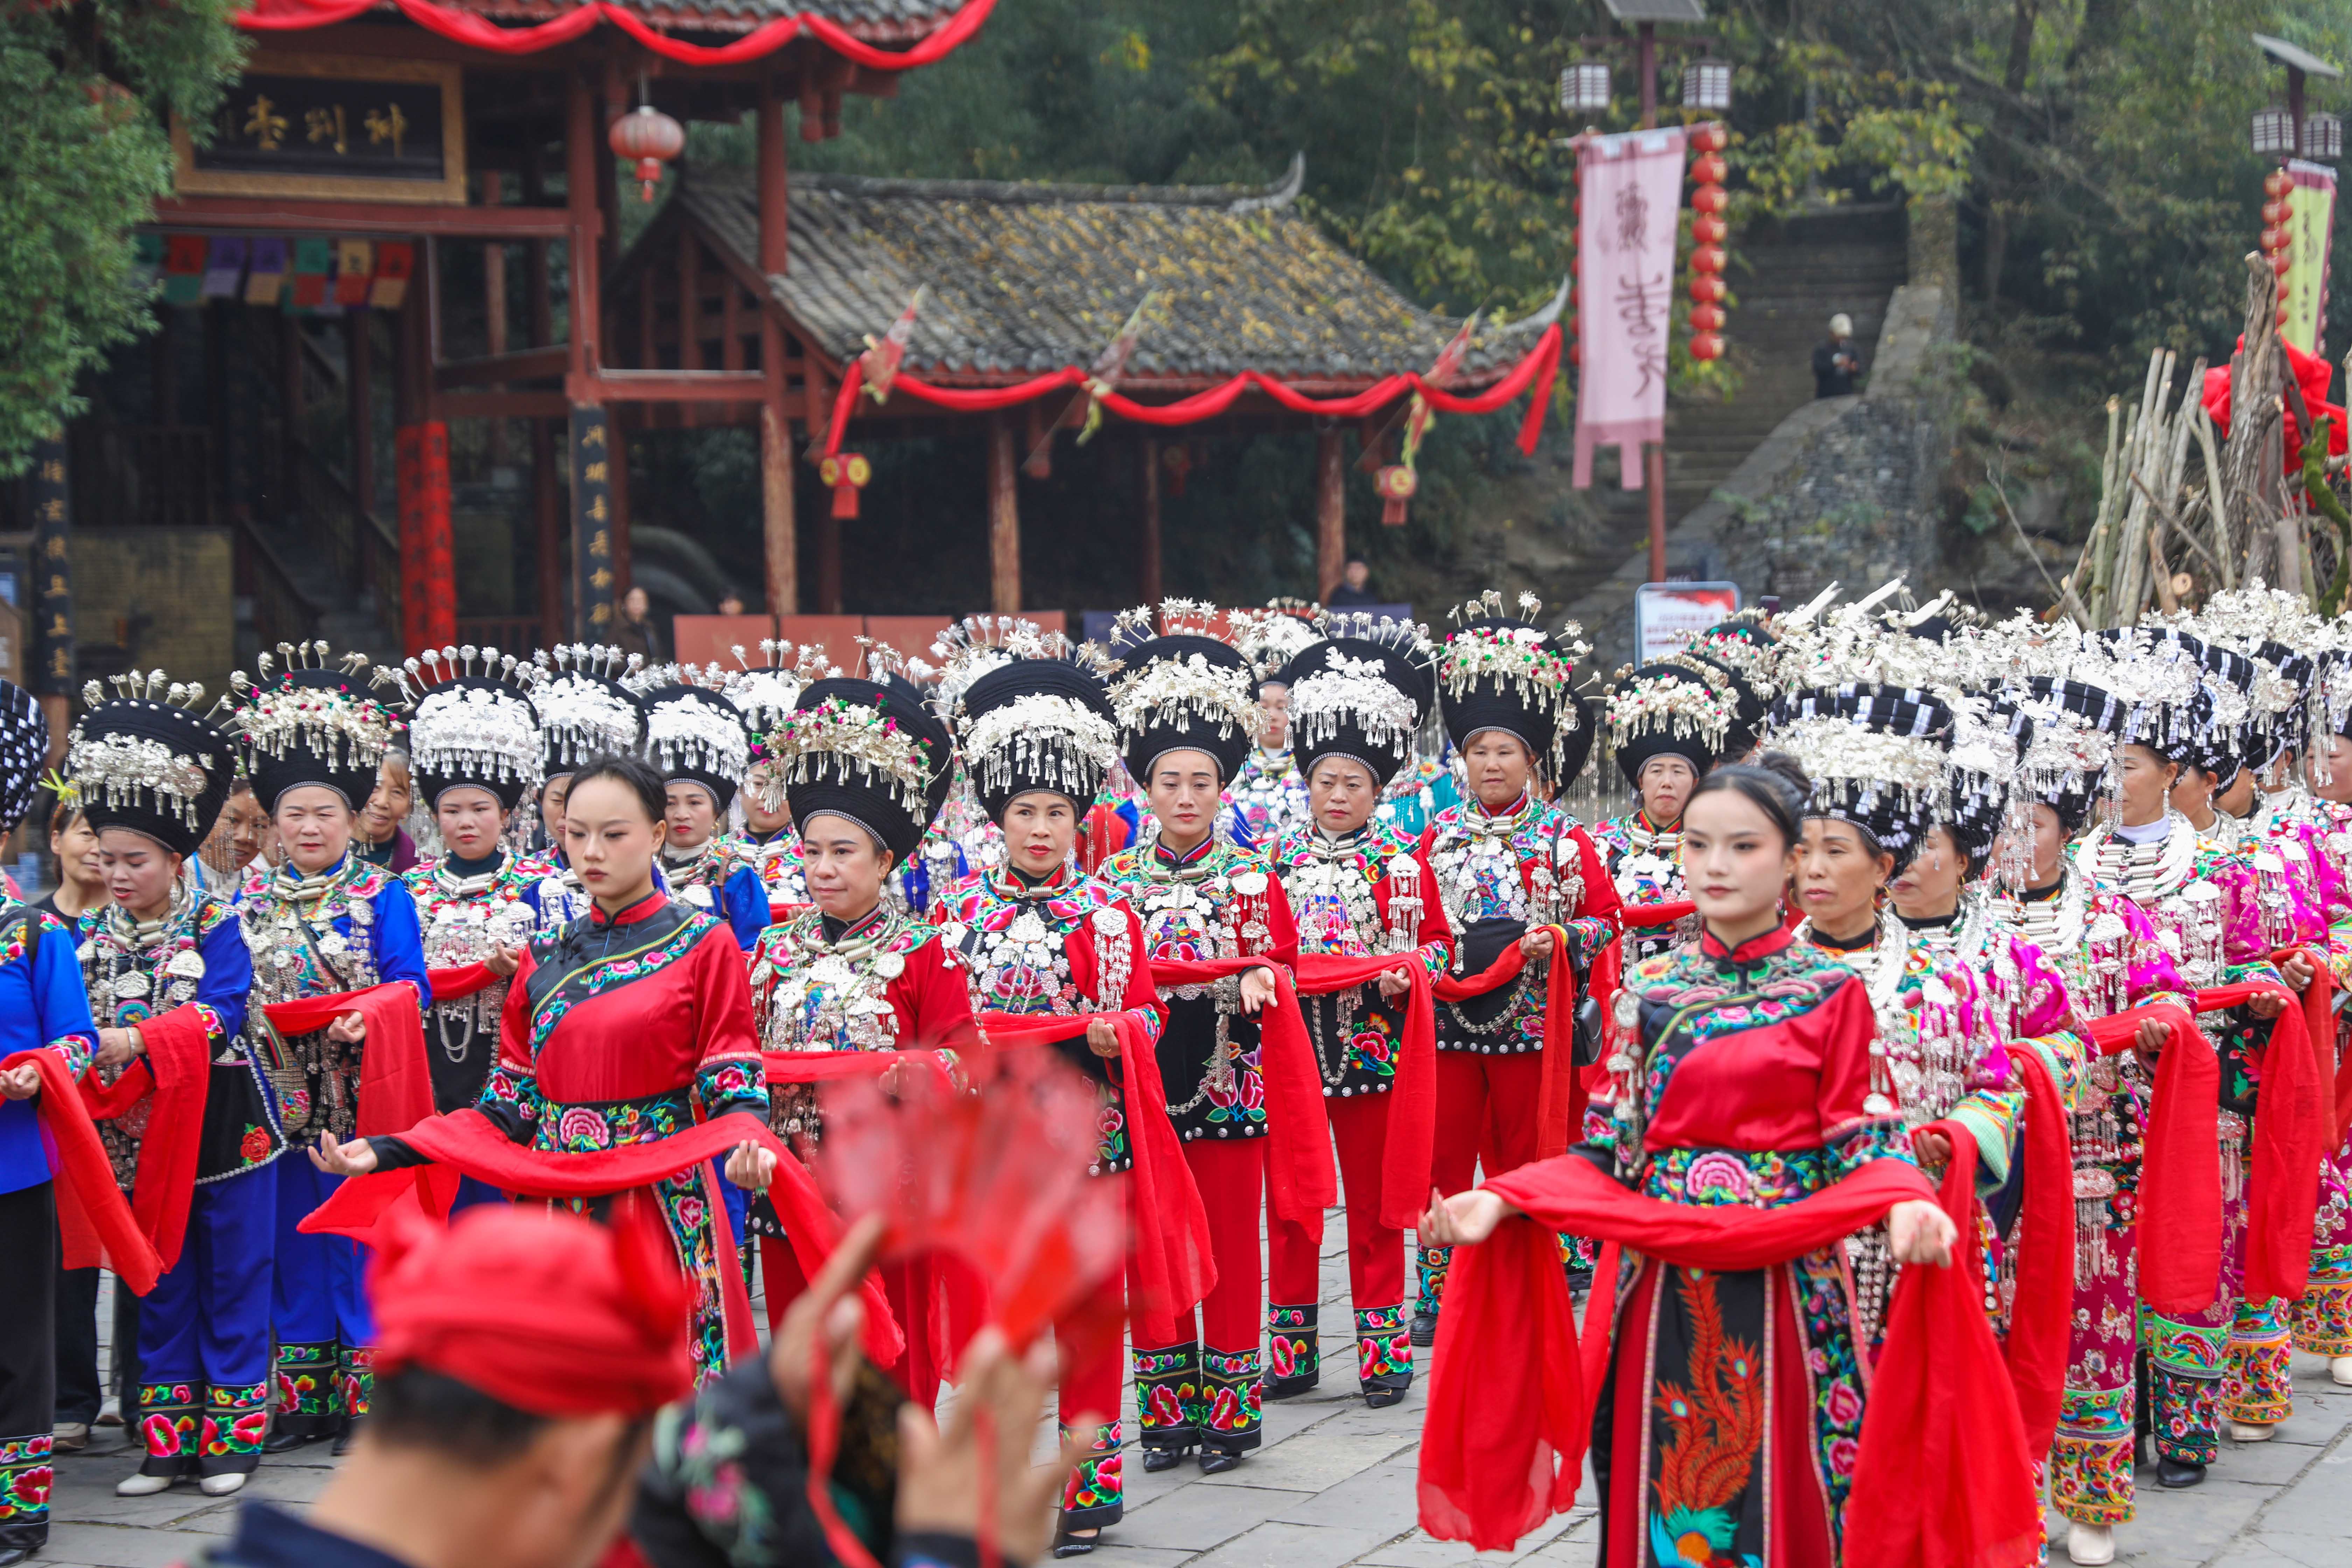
(178,1073)
(2290,1128)
(2180,1163)
(1300,1173)
(95,1223)
(1944,1479)
(396,1083)
(1413,1095)
(1566,1088)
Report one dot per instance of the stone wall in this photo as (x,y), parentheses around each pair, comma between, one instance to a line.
(155,598)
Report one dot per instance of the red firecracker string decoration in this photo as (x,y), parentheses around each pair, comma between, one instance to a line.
(649,139)
(1708,233)
(1396,484)
(2278,239)
(845,474)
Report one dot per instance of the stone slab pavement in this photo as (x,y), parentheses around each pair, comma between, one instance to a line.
(1334,1485)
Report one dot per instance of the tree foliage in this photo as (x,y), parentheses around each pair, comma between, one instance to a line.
(84,152)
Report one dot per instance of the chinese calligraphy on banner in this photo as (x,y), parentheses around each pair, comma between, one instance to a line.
(591,523)
(2305,293)
(1632,188)
(51,497)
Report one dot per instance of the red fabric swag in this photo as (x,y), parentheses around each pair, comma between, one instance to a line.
(395,1084)
(95,1225)
(1659,914)
(2282,1186)
(178,1072)
(1173,1269)
(2040,1314)
(1565,1088)
(469,1144)
(1413,1102)
(456,984)
(2181,1164)
(1503,1446)
(1298,1172)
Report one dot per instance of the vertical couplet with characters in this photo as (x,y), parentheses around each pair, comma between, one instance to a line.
(591,522)
(428,570)
(49,490)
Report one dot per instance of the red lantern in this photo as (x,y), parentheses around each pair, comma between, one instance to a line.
(2273,238)
(1710,199)
(1710,230)
(2277,212)
(1396,485)
(1576,353)
(1707,318)
(651,138)
(1706,346)
(1708,169)
(2281,263)
(1707,259)
(2277,183)
(1707,291)
(1710,137)
(845,474)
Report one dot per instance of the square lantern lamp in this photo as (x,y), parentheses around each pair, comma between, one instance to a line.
(1584,89)
(2273,132)
(1707,85)
(2323,137)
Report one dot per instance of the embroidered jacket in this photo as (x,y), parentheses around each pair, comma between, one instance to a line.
(1267,799)
(194,956)
(464,915)
(721,878)
(2311,838)
(777,859)
(43,1005)
(885,983)
(1217,902)
(1645,866)
(1499,875)
(1371,891)
(1067,945)
(351,927)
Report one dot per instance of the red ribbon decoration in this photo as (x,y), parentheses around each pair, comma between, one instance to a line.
(2040,1312)
(1539,370)
(1413,1094)
(2181,1164)
(475,31)
(1298,1172)
(396,1083)
(93,1222)
(1566,1088)
(1174,1269)
(1943,1479)
(458,983)
(177,1073)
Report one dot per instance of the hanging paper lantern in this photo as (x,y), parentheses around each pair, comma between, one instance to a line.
(1708,169)
(2273,238)
(2277,211)
(1705,345)
(1710,137)
(650,138)
(1708,290)
(1709,230)
(1706,318)
(1707,259)
(2277,183)
(1396,484)
(845,474)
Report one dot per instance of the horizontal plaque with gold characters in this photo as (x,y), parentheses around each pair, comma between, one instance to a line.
(333,126)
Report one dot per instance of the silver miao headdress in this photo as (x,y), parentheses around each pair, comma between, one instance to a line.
(584,710)
(1271,637)
(1340,689)
(149,749)
(470,714)
(766,692)
(1043,717)
(691,728)
(300,702)
(1176,693)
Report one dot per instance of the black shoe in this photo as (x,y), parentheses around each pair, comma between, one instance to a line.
(2178,1473)
(1424,1329)
(1290,1387)
(1217,1461)
(20,1543)
(12,1555)
(286,1438)
(1069,1544)
(1381,1398)
(1579,1280)
(347,1437)
(1158,1459)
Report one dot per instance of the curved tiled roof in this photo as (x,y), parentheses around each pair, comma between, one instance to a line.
(1024,278)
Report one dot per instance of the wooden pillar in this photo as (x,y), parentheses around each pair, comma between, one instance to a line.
(359,385)
(494,302)
(580,203)
(828,562)
(547,509)
(590,447)
(1147,573)
(1003,517)
(778,530)
(1330,513)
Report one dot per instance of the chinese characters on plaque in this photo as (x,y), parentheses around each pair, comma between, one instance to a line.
(592,455)
(330,126)
(1632,187)
(51,497)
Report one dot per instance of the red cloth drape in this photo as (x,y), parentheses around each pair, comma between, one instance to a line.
(1300,1173)
(396,1083)
(469,1142)
(478,32)
(1172,1266)
(457,983)
(1944,1480)
(1562,1099)
(1412,1093)
(2313,377)
(2040,1312)
(2180,1163)
(1663,914)
(2283,1173)
(177,1071)
(93,1221)
(1537,371)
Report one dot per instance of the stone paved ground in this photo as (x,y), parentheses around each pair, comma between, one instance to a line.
(1334,1485)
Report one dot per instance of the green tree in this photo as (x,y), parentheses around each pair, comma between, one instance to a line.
(84,153)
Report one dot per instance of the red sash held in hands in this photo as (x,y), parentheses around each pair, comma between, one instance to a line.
(1560,1101)
(2040,1314)
(2290,1125)
(95,1223)
(177,1073)
(396,1083)
(2180,1160)
(1298,1172)
(1412,1097)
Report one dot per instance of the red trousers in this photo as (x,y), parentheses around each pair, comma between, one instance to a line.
(1477,1092)
(1359,1125)
(1231,1176)
(909,1287)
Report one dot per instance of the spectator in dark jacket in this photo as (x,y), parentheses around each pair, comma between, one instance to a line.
(634,630)
(1836,363)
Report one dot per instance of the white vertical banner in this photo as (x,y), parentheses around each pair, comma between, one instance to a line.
(2304,289)
(1631,199)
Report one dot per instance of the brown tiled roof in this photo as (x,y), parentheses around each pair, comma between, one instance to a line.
(879,21)
(1030,278)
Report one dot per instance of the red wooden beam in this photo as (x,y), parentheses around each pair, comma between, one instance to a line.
(519,365)
(390,219)
(680,386)
(501,405)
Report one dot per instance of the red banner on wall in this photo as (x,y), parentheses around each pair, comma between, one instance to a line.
(428,570)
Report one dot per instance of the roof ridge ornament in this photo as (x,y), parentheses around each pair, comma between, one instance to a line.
(1281,194)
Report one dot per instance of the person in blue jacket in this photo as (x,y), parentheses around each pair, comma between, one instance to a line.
(323,924)
(698,741)
(200,1374)
(42,1007)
